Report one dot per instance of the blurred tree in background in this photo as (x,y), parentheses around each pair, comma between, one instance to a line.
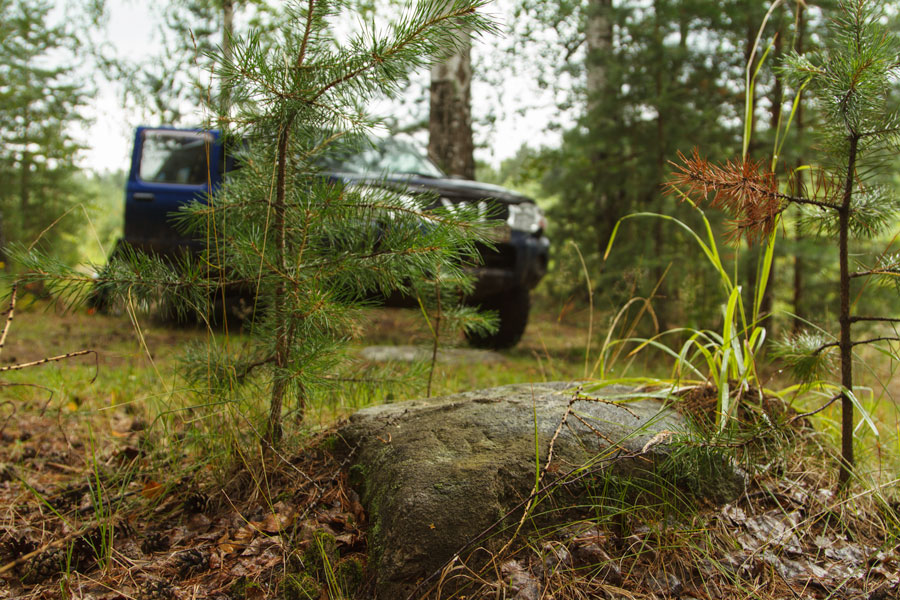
(42,97)
(633,83)
(653,78)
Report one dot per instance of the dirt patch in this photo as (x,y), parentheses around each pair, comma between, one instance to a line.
(107,523)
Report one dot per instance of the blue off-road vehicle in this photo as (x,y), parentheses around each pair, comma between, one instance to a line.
(170,167)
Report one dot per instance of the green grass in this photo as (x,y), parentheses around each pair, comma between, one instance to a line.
(97,401)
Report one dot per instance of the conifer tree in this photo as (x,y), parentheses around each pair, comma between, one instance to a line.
(849,83)
(309,250)
(41,99)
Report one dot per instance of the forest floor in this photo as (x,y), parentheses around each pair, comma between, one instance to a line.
(116,483)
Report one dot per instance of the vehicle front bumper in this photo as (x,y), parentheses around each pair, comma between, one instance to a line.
(520,262)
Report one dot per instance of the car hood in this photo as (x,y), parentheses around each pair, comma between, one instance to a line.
(459,189)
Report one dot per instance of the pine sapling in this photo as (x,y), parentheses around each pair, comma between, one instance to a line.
(849,83)
(310,251)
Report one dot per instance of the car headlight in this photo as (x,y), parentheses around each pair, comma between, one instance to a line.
(526,217)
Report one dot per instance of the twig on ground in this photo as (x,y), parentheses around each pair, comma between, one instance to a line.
(58,543)
(580,396)
(594,430)
(540,480)
(9,314)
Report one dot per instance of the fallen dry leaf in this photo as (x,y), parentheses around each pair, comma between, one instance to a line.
(152,490)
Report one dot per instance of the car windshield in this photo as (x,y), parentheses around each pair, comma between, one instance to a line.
(385,157)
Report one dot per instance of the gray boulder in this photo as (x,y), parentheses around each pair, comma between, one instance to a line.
(440,476)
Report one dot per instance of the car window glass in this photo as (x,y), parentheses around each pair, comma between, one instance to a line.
(388,156)
(175,157)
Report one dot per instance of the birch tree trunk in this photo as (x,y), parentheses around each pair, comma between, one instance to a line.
(450,119)
(598,36)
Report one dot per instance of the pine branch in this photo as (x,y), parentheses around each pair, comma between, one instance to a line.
(744,188)
(377,59)
(860,342)
(875,319)
(881,132)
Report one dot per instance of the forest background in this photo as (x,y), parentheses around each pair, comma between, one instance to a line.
(615,88)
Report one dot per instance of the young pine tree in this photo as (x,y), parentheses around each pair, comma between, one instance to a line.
(848,82)
(310,251)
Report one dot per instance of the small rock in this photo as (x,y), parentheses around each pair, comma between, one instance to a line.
(556,557)
(522,583)
(664,584)
(592,555)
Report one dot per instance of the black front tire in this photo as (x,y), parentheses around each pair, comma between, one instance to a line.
(512,307)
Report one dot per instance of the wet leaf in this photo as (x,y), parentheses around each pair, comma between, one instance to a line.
(274,523)
(152,490)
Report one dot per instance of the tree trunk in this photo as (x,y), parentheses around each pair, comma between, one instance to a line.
(846,341)
(662,152)
(227,35)
(282,343)
(450,120)
(797,299)
(599,41)
(25,173)
(3,258)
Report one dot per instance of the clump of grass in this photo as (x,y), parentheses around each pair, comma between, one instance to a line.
(787,533)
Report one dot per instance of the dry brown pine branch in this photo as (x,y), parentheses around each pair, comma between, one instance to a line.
(745,189)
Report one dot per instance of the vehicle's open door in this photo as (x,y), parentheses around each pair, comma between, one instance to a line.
(169,168)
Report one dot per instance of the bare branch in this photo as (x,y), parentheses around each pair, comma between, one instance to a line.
(875,319)
(860,342)
(9,314)
(44,361)
(807,201)
(890,271)
(818,410)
